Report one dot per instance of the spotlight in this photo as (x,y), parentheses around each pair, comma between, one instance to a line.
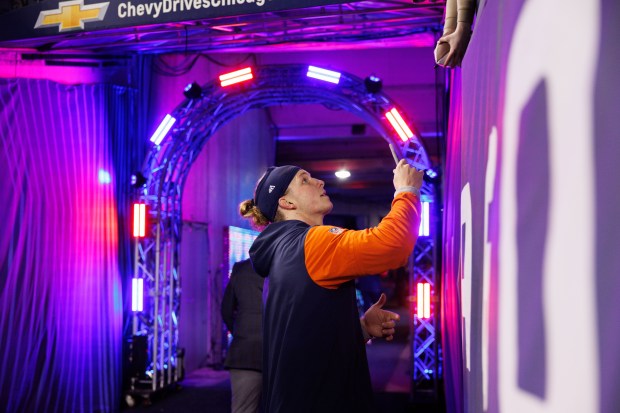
(192,91)
(373,84)
(432,175)
(343,174)
(137,180)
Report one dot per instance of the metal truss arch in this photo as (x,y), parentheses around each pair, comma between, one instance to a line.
(167,167)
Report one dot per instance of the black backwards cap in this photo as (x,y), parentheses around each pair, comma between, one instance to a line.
(272,187)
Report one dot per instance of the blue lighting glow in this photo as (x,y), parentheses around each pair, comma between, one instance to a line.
(104,177)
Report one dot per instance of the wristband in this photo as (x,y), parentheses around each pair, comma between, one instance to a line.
(412,189)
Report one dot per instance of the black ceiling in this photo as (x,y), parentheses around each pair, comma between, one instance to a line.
(325,25)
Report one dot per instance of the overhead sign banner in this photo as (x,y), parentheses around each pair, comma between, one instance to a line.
(54,17)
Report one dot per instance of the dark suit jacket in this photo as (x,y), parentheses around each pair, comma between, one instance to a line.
(242,311)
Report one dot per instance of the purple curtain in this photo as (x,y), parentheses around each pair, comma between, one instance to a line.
(61,286)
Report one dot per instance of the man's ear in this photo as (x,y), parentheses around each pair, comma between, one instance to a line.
(284,204)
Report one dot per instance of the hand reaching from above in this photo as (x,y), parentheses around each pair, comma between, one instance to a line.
(457,43)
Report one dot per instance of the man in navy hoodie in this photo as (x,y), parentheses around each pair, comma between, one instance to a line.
(314,358)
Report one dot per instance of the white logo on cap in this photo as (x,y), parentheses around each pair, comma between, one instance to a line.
(271,188)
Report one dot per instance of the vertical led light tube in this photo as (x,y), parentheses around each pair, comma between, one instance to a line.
(427,300)
(424,300)
(424,230)
(139,220)
(420,300)
(137,294)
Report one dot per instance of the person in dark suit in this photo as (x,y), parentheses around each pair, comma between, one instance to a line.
(242,308)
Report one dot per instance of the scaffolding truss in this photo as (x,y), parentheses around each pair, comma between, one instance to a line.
(425,342)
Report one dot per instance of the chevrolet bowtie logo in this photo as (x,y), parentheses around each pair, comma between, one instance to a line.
(71,15)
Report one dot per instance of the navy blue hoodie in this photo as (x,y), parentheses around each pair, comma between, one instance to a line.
(314,356)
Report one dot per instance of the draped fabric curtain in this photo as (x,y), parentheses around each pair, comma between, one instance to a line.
(451,314)
(65,155)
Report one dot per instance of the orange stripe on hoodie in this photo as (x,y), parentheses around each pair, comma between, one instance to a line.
(334,256)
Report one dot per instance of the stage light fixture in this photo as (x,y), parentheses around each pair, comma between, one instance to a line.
(237,76)
(137,180)
(343,174)
(424,300)
(323,74)
(139,220)
(432,175)
(424,230)
(373,84)
(137,294)
(399,125)
(162,129)
(192,91)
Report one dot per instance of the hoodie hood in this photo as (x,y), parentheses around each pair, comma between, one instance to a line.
(274,243)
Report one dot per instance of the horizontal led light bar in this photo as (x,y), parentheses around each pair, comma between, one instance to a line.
(163,129)
(139,220)
(137,294)
(424,300)
(323,74)
(424,221)
(399,125)
(237,76)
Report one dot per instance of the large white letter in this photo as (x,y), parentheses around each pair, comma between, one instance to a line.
(489,185)
(466,272)
(555,41)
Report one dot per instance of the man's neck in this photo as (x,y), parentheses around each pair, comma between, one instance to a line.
(308,219)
